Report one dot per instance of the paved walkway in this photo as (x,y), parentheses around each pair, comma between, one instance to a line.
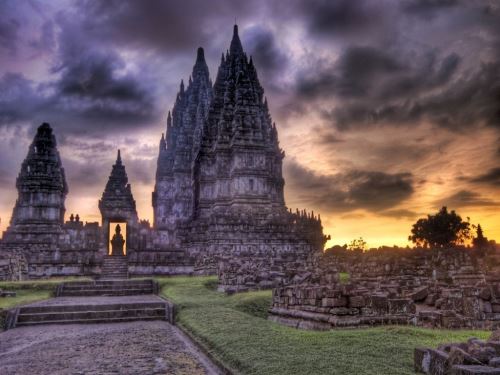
(152,347)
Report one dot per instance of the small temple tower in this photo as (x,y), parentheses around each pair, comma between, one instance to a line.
(38,214)
(117,204)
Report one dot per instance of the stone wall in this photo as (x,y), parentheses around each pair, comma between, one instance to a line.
(158,263)
(431,305)
(439,264)
(250,251)
(13,266)
(424,289)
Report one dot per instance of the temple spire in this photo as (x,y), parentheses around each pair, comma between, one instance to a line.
(236,47)
(200,56)
(118,158)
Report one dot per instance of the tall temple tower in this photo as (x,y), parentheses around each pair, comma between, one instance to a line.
(173,196)
(239,165)
(38,214)
(117,204)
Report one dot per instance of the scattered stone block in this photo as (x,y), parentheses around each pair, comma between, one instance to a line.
(438,363)
(421,360)
(474,370)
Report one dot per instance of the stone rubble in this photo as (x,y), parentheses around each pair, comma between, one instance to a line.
(473,357)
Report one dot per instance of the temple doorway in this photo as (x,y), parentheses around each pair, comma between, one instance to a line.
(117,238)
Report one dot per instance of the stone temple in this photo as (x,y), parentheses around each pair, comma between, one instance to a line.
(218,198)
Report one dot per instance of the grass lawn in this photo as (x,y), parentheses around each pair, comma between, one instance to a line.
(235,330)
(30,291)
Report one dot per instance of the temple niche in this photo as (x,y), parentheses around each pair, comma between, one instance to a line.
(117,204)
(117,242)
(218,198)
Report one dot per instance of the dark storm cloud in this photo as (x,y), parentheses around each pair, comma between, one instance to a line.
(387,94)
(353,74)
(407,78)
(491,177)
(367,72)
(351,190)
(170,26)
(19,99)
(79,111)
(325,17)
(9,29)
(90,90)
(269,58)
(46,42)
(427,8)
(466,198)
(93,76)
(400,213)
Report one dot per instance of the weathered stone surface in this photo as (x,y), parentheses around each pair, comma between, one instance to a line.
(101,349)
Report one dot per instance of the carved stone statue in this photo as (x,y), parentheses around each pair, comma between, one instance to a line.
(117,242)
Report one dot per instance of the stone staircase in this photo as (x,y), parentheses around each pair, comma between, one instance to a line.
(114,267)
(74,314)
(100,301)
(128,287)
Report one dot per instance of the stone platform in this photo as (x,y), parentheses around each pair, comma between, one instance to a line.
(143,347)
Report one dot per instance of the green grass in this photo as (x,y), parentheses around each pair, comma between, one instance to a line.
(234,329)
(30,290)
(24,296)
(344,277)
(27,291)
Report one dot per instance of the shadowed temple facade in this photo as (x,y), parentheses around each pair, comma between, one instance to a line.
(218,197)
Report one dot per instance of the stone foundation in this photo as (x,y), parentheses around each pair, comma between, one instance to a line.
(404,300)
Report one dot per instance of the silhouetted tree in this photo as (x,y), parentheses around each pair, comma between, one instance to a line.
(357,245)
(440,230)
(480,242)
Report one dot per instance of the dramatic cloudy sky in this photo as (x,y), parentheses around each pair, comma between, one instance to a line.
(386,109)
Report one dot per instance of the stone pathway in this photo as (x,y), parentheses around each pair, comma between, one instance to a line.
(152,347)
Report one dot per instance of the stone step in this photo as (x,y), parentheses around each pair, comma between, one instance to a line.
(115,270)
(144,282)
(93,307)
(104,292)
(95,313)
(90,315)
(109,286)
(109,265)
(119,287)
(104,272)
(91,321)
